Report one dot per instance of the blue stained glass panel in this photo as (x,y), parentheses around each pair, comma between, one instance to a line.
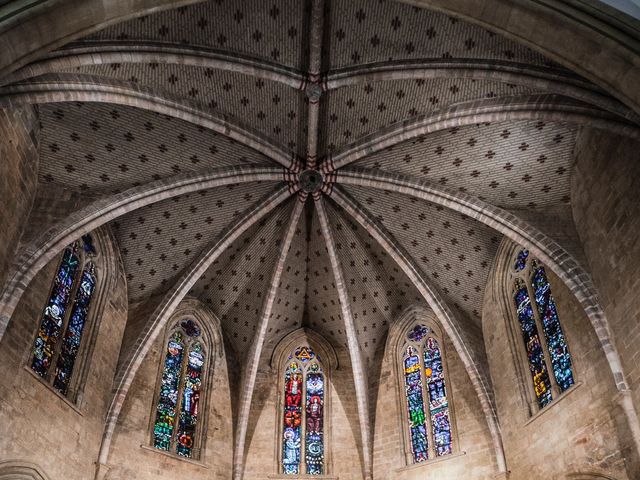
(292,433)
(537,366)
(556,343)
(189,408)
(415,406)
(53,317)
(73,336)
(314,441)
(168,398)
(438,403)
(521,260)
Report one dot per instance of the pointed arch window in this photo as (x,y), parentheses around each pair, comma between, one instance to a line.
(179,405)
(58,342)
(303,432)
(426,400)
(544,340)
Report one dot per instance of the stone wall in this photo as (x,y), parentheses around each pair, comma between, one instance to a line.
(474,456)
(18,177)
(132,437)
(606,209)
(580,430)
(39,426)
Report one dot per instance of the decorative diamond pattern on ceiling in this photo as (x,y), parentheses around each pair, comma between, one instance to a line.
(102,148)
(273,30)
(378,289)
(270,107)
(357,110)
(323,304)
(364,31)
(455,252)
(159,241)
(236,285)
(511,164)
(289,305)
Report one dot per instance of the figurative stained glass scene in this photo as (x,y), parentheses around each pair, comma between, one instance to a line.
(73,336)
(438,404)
(415,405)
(54,313)
(556,343)
(426,399)
(303,416)
(292,420)
(179,400)
(535,355)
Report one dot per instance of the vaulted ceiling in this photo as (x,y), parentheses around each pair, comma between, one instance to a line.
(349,105)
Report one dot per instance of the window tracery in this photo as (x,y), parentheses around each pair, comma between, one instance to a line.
(530,282)
(179,400)
(65,316)
(303,432)
(428,415)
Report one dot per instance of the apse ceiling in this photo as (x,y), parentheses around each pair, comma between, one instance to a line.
(362,86)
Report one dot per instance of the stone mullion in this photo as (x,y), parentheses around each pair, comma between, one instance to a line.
(87,88)
(545,107)
(255,352)
(161,315)
(472,359)
(357,362)
(40,251)
(552,254)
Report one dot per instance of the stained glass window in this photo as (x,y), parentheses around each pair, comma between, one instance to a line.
(556,343)
(531,282)
(179,399)
(303,416)
(65,316)
(537,366)
(428,414)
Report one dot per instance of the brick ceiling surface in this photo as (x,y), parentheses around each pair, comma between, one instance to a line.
(101,149)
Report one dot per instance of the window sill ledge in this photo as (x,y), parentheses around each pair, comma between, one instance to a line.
(417,466)
(281,476)
(42,382)
(562,396)
(173,456)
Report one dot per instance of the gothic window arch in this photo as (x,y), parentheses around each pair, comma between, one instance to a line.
(425,394)
(543,341)
(302,418)
(59,345)
(180,400)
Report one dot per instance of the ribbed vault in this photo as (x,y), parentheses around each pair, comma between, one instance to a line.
(186,131)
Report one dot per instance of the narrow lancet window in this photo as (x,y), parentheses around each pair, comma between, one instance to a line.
(303,415)
(425,391)
(65,316)
(531,283)
(178,406)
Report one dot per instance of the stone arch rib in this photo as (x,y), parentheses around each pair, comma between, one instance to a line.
(549,80)
(43,249)
(145,52)
(522,107)
(472,358)
(553,255)
(87,88)
(168,304)
(357,363)
(250,370)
